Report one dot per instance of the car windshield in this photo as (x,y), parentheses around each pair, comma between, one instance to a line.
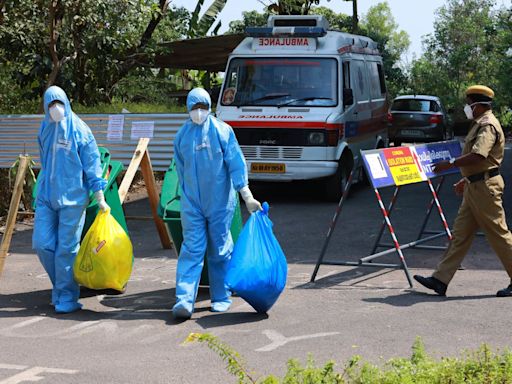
(414,105)
(278,82)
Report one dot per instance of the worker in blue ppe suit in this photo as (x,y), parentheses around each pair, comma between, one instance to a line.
(70,168)
(211,169)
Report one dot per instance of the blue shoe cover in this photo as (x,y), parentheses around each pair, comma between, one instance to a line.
(221,306)
(180,312)
(68,307)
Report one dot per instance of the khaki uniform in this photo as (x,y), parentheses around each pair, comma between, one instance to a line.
(482,203)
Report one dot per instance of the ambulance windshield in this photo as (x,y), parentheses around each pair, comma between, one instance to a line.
(280,81)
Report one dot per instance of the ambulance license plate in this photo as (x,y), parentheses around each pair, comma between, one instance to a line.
(268,168)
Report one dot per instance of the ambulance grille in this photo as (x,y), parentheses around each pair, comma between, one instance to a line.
(292,153)
(271,153)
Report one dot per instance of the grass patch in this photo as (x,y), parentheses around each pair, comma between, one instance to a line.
(482,366)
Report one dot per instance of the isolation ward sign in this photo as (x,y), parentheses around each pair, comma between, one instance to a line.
(404,165)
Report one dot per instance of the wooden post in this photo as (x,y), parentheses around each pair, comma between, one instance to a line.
(132,168)
(149,180)
(13,209)
(141,158)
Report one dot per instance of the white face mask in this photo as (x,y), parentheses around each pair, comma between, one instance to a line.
(199,115)
(57,112)
(468,111)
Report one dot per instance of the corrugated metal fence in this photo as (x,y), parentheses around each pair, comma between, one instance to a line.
(18,134)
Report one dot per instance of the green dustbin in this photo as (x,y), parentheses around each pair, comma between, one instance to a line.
(169,210)
(110,171)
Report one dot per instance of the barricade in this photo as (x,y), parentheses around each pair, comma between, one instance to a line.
(398,167)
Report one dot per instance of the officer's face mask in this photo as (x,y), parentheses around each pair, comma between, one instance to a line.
(199,115)
(468,110)
(57,112)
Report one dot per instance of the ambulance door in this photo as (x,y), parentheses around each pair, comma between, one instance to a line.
(377,96)
(360,119)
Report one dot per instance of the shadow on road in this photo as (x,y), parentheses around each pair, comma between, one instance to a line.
(230,318)
(348,278)
(153,305)
(411,298)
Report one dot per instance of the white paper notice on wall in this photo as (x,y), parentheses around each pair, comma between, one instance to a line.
(115,127)
(142,129)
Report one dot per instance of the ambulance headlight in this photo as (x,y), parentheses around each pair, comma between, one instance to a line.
(316,138)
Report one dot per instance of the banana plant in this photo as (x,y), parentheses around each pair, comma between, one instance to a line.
(29,182)
(199,26)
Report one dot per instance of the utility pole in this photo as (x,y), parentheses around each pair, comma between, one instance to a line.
(355,20)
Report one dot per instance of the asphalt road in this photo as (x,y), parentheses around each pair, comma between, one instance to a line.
(371,312)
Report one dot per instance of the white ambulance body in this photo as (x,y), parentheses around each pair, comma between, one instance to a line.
(303,100)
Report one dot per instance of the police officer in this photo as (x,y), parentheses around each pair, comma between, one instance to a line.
(482,189)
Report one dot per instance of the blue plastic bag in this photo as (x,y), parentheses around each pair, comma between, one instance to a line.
(257,269)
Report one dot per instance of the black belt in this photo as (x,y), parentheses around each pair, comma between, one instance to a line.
(483,175)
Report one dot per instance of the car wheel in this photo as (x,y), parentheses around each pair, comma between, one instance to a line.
(335,184)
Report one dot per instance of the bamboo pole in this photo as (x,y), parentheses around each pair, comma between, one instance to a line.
(13,209)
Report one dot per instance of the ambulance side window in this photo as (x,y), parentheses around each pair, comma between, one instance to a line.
(359,81)
(376,90)
(382,81)
(346,74)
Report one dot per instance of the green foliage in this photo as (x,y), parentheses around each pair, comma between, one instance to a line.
(200,26)
(6,188)
(234,363)
(99,43)
(337,21)
(463,50)
(380,25)
(482,366)
(249,19)
(117,107)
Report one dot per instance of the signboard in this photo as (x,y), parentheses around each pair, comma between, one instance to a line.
(407,165)
(142,129)
(115,127)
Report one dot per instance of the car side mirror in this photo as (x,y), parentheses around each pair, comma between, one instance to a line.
(348,97)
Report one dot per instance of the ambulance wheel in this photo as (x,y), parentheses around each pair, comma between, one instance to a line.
(335,184)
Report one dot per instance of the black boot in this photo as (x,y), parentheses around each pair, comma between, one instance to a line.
(505,292)
(432,283)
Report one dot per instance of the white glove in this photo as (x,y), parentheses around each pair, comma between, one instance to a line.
(251,203)
(100,198)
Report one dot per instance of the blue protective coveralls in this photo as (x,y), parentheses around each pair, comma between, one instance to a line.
(70,168)
(211,169)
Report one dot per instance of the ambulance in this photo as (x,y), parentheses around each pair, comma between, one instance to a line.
(304,100)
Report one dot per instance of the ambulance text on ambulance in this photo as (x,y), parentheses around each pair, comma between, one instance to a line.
(284,41)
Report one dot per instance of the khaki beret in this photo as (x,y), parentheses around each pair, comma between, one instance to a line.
(480,90)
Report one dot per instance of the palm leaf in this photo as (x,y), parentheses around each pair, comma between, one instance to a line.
(209,17)
(215,30)
(192,28)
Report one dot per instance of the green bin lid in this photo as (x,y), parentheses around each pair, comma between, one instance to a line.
(170,204)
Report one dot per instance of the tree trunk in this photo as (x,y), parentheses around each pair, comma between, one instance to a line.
(54,22)
(131,59)
(2,5)
(355,20)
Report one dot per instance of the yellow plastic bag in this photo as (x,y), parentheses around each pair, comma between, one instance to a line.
(105,258)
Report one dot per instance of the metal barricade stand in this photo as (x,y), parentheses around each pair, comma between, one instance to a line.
(418,168)
(418,243)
